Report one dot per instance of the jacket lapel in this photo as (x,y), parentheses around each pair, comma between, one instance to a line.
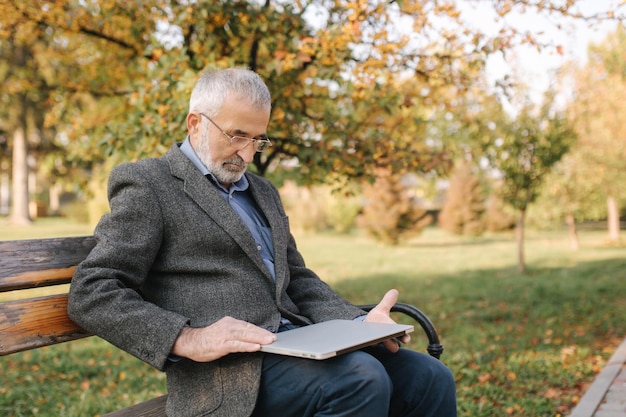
(208,197)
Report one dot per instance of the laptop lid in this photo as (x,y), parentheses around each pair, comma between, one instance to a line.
(334,337)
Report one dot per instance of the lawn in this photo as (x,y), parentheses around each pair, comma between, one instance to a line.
(519,345)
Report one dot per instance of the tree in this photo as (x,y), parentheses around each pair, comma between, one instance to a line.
(51,57)
(331,98)
(463,211)
(569,194)
(528,148)
(498,216)
(119,74)
(596,111)
(18,115)
(391,213)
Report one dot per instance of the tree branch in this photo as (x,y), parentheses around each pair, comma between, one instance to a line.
(40,20)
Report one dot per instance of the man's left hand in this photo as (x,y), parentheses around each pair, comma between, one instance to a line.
(381,314)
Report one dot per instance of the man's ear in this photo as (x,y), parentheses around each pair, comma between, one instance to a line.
(193,123)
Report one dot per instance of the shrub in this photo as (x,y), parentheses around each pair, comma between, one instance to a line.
(318,208)
(391,212)
(498,217)
(463,211)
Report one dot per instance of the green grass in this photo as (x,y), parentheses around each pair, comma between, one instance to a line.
(43,228)
(519,345)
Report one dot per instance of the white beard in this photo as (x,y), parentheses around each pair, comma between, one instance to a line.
(224,172)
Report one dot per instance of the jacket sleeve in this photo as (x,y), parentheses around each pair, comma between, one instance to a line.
(105,293)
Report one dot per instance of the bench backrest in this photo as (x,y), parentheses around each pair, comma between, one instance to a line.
(28,321)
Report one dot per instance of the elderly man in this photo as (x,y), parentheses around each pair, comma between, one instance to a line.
(195,268)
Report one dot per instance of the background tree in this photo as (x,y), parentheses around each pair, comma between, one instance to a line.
(529,146)
(22,103)
(391,213)
(498,216)
(463,211)
(569,194)
(596,112)
(53,57)
(330,96)
(119,74)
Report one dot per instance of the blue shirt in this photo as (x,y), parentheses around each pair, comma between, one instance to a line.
(243,204)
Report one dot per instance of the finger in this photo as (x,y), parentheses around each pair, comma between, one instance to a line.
(382,312)
(391,345)
(238,346)
(254,335)
(389,300)
(245,332)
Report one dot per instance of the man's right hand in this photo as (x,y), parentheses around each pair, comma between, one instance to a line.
(227,335)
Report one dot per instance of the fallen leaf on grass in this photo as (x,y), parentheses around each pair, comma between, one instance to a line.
(484,377)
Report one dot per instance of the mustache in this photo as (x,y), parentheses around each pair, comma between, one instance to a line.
(235,160)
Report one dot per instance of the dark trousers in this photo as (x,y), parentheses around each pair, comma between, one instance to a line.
(371,382)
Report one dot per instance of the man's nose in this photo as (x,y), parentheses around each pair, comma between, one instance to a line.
(247,153)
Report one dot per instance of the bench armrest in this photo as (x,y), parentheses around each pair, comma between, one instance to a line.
(435,348)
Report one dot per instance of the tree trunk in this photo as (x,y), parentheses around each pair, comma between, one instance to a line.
(519,234)
(613,220)
(5,188)
(573,233)
(19,206)
(54,195)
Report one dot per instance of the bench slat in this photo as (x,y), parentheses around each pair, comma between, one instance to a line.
(41,262)
(34,279)
(36,322)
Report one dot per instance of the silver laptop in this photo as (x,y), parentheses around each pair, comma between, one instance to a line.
(331,338)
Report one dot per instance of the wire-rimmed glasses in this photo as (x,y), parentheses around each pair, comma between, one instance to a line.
(240,142)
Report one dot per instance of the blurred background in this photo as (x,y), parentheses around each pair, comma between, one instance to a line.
(470,152)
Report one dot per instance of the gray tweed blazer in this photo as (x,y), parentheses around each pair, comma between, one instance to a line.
(172,252)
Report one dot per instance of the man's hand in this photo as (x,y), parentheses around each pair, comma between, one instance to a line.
(381,314)
(227,335)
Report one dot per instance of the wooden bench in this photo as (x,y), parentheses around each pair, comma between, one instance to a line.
(34,322)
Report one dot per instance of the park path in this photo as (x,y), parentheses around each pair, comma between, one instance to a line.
(606,397)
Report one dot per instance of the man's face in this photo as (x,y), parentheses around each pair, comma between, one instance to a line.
(237,118)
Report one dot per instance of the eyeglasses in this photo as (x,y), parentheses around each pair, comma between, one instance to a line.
(240,142)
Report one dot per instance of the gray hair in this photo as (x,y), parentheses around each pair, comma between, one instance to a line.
(214,86)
